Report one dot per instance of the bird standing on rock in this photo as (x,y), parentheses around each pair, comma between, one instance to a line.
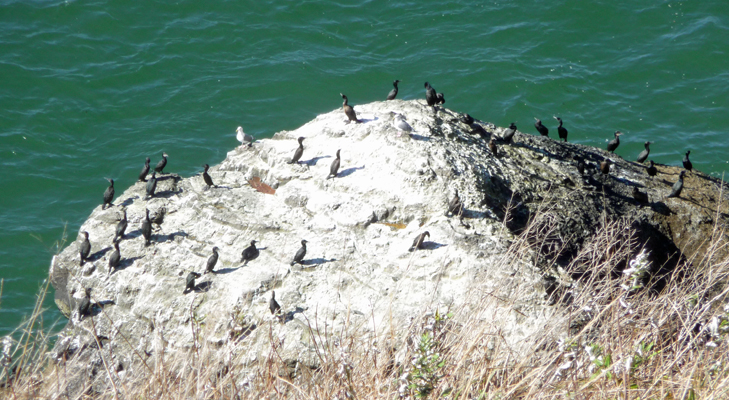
(334,169)
(108,194)
(348,110)
(212,261)
(249,253)
(299,256)
(152,185)
(419,240)
(299,152)
(509,133)
(121,227)
(161,164)
(543,130)
(114,258)
(605,166)
(85,248)
(580,165)
(84,306)
(430,96)
(273,304)
(393,92)
(145,171)
(686,162)
(455,206)
(243,137)
(678,186)
(644,154)
(401,125)
(613,144)
(651,169)
(147,229)
(641,197)
(208,180)
(190,281)
(493,148)
(561,131)
(440,98)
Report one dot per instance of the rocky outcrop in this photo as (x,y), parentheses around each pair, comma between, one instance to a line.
(358,272)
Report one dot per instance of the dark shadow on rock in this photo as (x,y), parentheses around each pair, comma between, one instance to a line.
(316,261)
(313,161)
(132,235)
(176,178)
(203,287)
(366,120)
(99,254)
(348,171)
(128,201)
(167,238)
(418,137)
(225,270)
(660,208)
(125,263)
(289,316)
(428,245)
(166,194)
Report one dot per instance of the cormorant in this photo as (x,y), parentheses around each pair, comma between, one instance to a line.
(430,96)
(190,281)
(543,130)
(561,131)
(455,206)
(299,257)
(249,253)
(418,242)
(440,99)
(348,110)
(613,144)
(509,133)
(114,258)
(85,248)
(580,165)
(159,216)
(299,152)
(334,169)
(147,228)
(212,261)
(273,304)
(640,196)
(651,170)
(243,137)
(687,163)
(401,125)
(152,185)
(678,186)
(208,180)
(161,164)
(121,227)
(393,92)
(644,154)
(145,171)
(108,194)
(492,147)
(468,119)
(605,166)
(84,306)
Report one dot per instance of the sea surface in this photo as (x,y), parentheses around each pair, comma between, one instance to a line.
(88,89)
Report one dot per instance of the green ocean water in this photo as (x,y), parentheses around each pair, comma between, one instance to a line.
(89,89)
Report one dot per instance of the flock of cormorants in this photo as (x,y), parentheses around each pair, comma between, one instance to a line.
(455,206)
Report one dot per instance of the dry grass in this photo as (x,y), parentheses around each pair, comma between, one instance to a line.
(610,337)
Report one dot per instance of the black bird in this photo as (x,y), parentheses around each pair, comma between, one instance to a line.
(644,154)
(455,206)
(440,99)
(159,216)
(509,133)
(121,227)
(147,229)
(561,131)
(84,306)
(190,281)
(108,194)
(605,166)
(152,185)
(418,242)
(467,119)
(334,169)
(249,253)
(161,164)
(430,96)
(299,257)
(299,152)
(613,144)
(393,92)
(212,261)
(85,248)
(145,171)
(678,186)
(348,110)
(114,258)
(687,163)
(651,170)
(640,196)
(492,147)
(208,180)
(543,130)
(580,165)
(273,304)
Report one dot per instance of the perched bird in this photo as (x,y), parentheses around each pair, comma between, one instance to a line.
(121,227)
(686,162)
(430,96)
(509,133)
(85,248)
(641,197)
(299,257)
(492,147)
(455,206)
(273,304)
(212,261)
(108,194)
(152,185)
(145,171)
(84,306)
(580,165)
(334,169)
(299,152)
(393,92)
(161,164)
(440,99)
(561,131)
(401,125)
(543,130)
(208,180)
(678,186)
(114,258)
(348,110)
(651,170)
(613,144)
(159,216)
(147,229)
(249,253)
(468,119)
(243,137)
(418,242)
(190,281)
(644,154)
(605,166)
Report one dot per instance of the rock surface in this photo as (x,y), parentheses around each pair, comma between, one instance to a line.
(358,272)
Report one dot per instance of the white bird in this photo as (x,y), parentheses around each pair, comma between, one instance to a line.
(244,138)
(401,125)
